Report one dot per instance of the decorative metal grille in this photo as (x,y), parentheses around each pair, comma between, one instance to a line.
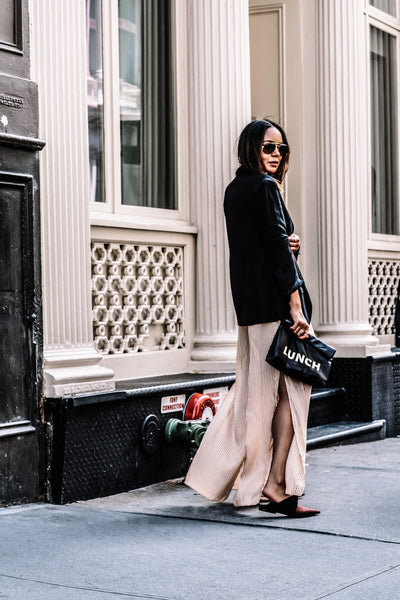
(383,277)
(137,297)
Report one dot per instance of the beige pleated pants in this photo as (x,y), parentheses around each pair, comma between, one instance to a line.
(237,444)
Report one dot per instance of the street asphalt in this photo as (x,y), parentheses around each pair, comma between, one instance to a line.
(165,542)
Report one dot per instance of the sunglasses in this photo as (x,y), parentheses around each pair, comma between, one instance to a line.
(269,148)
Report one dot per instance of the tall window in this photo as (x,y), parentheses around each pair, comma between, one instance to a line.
(140,91)
(384,133)
(130,87)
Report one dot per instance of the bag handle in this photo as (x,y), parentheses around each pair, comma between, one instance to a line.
(325,349)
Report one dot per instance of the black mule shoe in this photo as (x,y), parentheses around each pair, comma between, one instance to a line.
(289,507)
(286,507)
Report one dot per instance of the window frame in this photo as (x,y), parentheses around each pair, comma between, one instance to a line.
(112,209)
(16,46)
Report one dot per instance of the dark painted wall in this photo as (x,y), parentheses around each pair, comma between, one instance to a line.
(20,297)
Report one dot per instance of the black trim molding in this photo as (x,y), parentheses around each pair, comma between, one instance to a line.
(20,141)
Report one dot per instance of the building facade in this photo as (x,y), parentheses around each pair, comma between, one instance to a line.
(140,104)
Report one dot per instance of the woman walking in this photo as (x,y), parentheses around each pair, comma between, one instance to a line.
(257,441)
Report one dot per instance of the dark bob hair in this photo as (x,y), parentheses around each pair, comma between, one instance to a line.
(249,148)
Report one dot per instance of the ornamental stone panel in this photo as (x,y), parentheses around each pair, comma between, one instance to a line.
(383,278)
(137,293)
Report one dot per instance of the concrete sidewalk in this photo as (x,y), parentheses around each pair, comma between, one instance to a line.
(165,542)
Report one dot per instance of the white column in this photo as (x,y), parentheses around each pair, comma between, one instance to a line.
(343,176)
(219,94)
(59,67)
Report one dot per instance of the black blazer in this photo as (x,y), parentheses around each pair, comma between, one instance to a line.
(263,270)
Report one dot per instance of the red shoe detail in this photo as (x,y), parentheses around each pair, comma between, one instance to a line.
(301,512)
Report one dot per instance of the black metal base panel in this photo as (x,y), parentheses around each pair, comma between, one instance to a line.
(373,388)
(109,443)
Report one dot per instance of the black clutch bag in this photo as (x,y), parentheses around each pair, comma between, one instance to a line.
(308,360)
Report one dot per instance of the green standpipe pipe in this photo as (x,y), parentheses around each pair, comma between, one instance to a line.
(186,432)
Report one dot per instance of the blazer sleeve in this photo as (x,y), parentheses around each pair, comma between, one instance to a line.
(276,238)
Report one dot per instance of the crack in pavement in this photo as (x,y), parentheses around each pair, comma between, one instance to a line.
(346,587)
(85,588)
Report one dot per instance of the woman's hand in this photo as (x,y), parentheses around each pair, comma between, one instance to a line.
(300,326)
(294,243)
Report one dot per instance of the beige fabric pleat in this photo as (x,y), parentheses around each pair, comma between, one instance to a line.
(238,440)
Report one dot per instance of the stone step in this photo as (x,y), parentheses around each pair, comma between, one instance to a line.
(345,432)
(326,406)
